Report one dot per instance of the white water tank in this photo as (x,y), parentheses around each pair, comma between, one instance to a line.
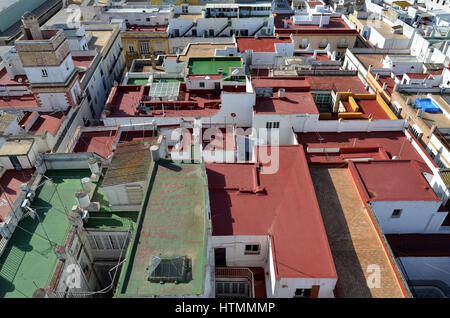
(281,92)
(83,199)
(155,152)
(93,165)
(86,185)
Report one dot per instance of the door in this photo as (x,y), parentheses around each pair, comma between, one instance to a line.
(220,257)
(15,162)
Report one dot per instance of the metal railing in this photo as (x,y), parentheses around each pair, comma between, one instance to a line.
(237,272)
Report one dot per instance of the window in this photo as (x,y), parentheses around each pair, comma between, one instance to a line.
(302,293)
(130,48)
(252,249)
(304,43)
(275,124)
(202,84)
(44,73)
(396,213)
(145,47)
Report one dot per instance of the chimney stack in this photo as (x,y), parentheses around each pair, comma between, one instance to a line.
(30,27)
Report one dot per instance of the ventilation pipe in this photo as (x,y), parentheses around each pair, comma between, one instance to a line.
(82,199)
(86,185)
(94,166)
(155,152)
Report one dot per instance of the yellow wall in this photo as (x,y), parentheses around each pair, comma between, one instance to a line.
(158,41)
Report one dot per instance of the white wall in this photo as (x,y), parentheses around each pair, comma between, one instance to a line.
(56,74)
(118,197)
(235,247)
(415,217)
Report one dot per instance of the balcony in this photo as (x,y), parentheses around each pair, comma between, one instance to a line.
(246,282)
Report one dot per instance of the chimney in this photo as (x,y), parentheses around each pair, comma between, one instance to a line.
(30,27)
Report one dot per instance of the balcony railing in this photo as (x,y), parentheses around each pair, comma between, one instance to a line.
(237,272)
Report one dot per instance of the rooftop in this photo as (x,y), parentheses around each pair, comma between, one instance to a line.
(29,260)
(199,50)
(254,202)
(147,28)
(100,38)
(173,222)
(82,62)
(336,25)
(10,184)
(99,142)
(212,65)
(260,44)
(291,103)
(50,122)
(383,28)
(16,147)
(337,83)
(130,162)
(354,239)
(124,100)
(394,180)
(387,143)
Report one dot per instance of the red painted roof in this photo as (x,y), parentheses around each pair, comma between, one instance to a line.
(289,83)
(336,26)
(19,103)
(124,100)
(292,103)
(392,143)
(50,122)
(337,83)
(99,142)
(313,4)
(6,80)
(394,180)
(369,107)
(10,188)
(261,44)
(285,208)
(319,56)
(417,75)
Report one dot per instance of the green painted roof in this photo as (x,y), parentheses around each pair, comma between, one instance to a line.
(28,260)
(173,222)
(211,65)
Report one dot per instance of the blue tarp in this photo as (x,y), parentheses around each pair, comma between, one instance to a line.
(427,105)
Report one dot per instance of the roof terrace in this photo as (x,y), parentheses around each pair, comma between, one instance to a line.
(171,224)
(355,240)
(29,259)
(214,65)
